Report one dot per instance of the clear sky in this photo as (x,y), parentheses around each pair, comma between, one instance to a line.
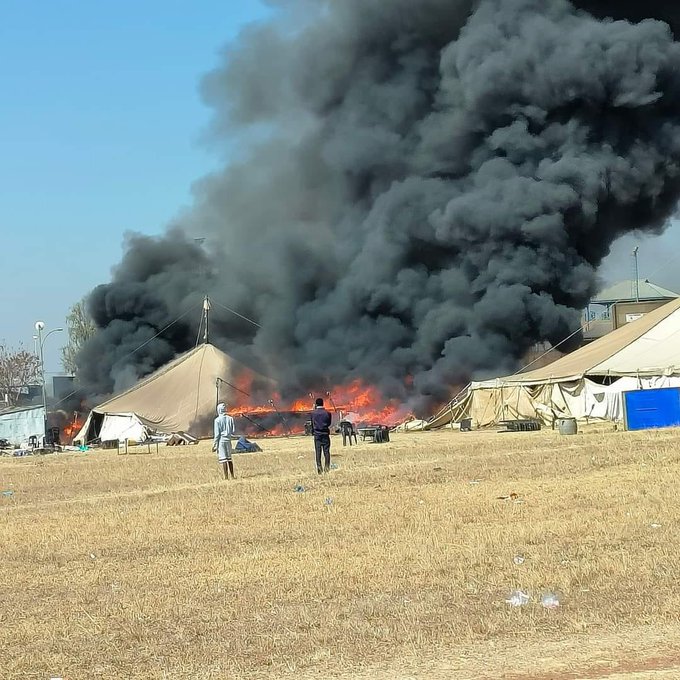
(100,126)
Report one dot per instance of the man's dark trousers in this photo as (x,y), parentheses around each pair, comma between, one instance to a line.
(322,442)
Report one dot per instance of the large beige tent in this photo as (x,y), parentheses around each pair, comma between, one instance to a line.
(588,383)
(179,397)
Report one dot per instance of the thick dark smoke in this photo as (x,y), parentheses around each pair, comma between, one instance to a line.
(416,193)
(634,10)
(153,287)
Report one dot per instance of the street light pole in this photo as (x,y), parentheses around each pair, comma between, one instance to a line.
(40,327)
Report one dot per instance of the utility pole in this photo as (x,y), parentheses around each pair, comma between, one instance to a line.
(636,280)
(40,327)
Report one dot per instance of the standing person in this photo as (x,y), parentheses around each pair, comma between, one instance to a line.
(224,428)
(321,429)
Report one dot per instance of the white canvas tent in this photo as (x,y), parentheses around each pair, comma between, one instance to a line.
(179,397)
(588,383)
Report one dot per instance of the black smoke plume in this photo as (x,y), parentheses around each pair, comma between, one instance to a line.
(416,192)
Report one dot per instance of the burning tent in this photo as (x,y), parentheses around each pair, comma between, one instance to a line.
(179,397)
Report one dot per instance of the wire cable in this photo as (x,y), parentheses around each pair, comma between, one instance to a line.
(134,351)
(245,318)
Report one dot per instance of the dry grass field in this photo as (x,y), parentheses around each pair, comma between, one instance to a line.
(395,565)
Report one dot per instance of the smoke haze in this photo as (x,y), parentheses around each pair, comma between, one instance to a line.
(416,192)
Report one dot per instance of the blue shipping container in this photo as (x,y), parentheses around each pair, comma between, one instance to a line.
(646,409)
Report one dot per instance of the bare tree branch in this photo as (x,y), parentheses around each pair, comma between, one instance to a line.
(80,328)
(18,370)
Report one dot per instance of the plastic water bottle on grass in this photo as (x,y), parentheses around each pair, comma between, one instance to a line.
(518,598)
(550,601)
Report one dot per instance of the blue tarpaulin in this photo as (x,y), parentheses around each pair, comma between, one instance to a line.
(646,409)
(244,446)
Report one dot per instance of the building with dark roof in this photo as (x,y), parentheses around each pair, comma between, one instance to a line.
(622,303)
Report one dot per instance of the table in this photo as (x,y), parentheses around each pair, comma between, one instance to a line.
(146,442)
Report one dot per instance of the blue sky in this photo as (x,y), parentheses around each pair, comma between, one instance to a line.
(100,127)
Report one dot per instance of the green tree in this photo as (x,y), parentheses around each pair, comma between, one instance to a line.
(18,370)
(80,328)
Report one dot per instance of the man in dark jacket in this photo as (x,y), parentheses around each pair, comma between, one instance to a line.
(321,429)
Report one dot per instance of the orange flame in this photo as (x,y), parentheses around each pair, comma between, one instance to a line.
(71,430)
(365,402)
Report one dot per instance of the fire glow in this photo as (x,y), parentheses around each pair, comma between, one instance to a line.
(69,424)
(71,430)
(365,403)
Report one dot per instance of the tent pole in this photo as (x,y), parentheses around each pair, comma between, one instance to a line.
(330,397)
(206,312)
(283,420)
(264,429)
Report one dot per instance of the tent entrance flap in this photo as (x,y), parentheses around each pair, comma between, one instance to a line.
(89,432)
(123,426)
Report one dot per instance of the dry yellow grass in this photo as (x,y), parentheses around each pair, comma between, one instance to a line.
(151,566)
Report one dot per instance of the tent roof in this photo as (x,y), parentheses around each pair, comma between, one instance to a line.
(623,292)
(648,346)
(182,392)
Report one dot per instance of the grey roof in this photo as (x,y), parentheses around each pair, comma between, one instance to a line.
(624,291)
(19,409)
